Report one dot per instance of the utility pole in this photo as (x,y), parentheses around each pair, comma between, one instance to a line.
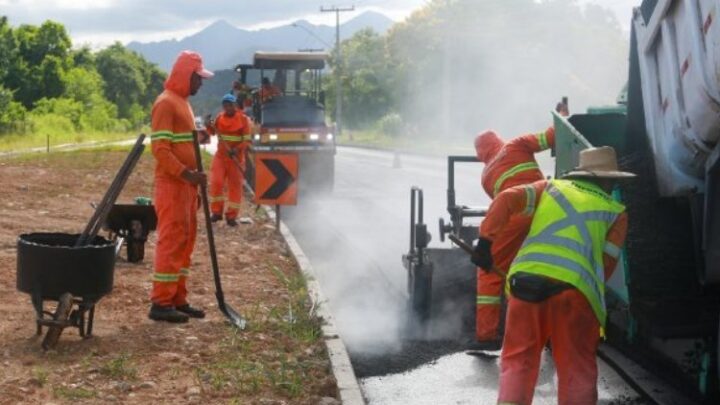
(338,65)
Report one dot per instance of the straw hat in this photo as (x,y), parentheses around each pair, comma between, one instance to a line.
(598,163)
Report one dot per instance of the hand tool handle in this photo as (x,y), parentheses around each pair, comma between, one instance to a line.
(469,250)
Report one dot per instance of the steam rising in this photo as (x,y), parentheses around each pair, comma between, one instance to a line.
(492,64)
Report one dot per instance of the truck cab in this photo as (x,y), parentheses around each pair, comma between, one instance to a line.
(291,116)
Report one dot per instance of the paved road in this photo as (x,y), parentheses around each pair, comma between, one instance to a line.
(355,238)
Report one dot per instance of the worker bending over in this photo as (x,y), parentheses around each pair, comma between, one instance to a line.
(228,166)
(557,281)
(176,189)
(506,165)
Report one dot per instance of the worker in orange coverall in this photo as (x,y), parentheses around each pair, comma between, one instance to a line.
(268,90)
(233,130)
(506,165)
(557,281)
(176,189)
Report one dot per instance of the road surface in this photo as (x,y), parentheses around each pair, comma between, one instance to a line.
(355,238)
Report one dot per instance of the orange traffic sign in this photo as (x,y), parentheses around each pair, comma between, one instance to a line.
(276,178)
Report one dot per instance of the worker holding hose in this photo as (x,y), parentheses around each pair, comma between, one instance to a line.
(556,283)
(176,189)
(506,165)
(233,129)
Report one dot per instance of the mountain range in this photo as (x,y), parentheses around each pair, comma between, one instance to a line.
(223,45)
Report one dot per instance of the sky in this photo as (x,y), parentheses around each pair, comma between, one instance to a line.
(101,22)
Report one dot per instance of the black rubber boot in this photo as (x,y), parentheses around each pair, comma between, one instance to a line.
(190,311)
(215,217)
(485,346)
(167,314)
(232,222)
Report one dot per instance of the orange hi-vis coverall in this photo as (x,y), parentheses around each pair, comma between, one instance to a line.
(175,199)
(233,133)
(565,319)
(267,92)
(506,165)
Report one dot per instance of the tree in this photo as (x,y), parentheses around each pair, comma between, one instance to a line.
(8,48)
(455,67)
(366,81)
(130,81)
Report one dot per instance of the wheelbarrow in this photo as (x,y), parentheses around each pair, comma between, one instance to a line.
(132,223)
(51,268)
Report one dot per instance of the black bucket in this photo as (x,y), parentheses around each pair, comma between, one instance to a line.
(49,265)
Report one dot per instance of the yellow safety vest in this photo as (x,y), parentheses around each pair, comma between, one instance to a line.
(567,239)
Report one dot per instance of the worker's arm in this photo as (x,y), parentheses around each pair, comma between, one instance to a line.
(519,200)
(247,127)
(163,116)
(534,143)
(211,126)
(613,244)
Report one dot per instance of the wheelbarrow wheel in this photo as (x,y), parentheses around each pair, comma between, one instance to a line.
(62,314)
(136,242)
(135,250)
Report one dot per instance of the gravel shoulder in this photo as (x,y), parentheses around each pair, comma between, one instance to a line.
(280,359)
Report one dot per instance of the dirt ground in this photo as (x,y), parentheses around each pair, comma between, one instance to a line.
(279,359)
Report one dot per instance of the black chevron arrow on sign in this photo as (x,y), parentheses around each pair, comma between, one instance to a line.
(283,179)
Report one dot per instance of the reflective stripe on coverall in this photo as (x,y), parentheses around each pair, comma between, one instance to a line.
(574,225)
(175,199)
(234,132)
(506,165)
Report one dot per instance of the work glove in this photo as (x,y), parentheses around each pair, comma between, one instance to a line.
(482,257)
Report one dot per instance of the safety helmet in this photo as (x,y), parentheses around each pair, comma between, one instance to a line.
(229,98)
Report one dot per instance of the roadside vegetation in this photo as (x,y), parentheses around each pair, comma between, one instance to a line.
(48,88)
(454,68)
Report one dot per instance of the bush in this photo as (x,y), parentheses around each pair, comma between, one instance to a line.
(51,124)
(65,107)
(391,125)
(13,115)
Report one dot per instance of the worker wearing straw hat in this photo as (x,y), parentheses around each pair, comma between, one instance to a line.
(557,281)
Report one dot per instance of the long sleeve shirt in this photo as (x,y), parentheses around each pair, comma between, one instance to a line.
(516,201)
(172,125)
(515,163)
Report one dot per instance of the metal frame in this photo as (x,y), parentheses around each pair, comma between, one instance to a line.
(82,316)
(459,212)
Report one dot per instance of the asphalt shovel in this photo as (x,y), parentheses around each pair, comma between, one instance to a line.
(233,316)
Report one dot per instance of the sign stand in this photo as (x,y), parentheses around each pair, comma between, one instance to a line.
(277,218)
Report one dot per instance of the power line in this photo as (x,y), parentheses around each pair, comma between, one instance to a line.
(338,64)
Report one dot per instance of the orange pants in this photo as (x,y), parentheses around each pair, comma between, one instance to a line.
(490,285)
(176,207)
(224,169)
(567,320)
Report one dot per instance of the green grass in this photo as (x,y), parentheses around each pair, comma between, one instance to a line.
(119,367)
(73,393)
(14,142)
(41,374)
(244,366)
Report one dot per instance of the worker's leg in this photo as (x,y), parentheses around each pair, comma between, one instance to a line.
(235,190)
(217,181)
(487,314)
(575,333)
(191,220)
(525,337)
(171,242)
(490,286)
